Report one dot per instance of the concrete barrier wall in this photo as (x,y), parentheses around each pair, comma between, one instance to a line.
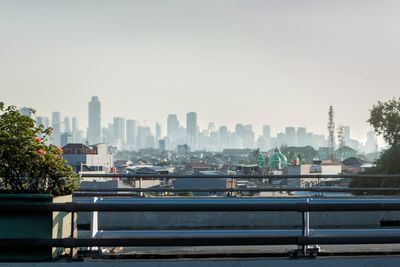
(246,220)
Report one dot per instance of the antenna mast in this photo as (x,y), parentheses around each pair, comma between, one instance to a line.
(331,131)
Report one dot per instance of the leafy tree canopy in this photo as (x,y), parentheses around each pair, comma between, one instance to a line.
(385,118)
(27,163)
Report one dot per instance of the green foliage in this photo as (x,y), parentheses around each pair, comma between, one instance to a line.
(388,163)
(385,118)
(27,164)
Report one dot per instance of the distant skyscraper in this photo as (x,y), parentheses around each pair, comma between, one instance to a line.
(94,128)
(40,120)
(301,136)
(26,112)
(371,146)
(172,127)
(145,138)
(290,136)
(223,135)
(74,129)
(211,126)
(191,130)
(266,133)
(245,135)
(67,125)
(131,134)
(119,132)
(66,138)
(158,132)
(347,137)
(56,125)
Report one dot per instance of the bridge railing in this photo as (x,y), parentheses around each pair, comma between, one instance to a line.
(230,190)
(216,238)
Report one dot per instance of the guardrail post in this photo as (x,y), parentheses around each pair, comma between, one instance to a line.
(73,250)
(140,186)
(94,224)
(306,227)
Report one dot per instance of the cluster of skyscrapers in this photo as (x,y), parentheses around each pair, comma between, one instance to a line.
(128,134)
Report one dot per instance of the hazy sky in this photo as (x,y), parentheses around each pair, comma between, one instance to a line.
(262,62)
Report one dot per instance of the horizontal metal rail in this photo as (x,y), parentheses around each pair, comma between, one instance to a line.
(215,240)
(274,189)
(174,176)
(212,205)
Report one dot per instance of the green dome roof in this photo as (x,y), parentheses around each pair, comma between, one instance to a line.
(278,160)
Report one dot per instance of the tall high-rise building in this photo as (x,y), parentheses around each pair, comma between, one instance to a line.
(290,135)
(158,132)
(145,139)
(26,112)
(347,137)
(211,126)
(191,130)
(246,135)
(67,125)
(56,125)
(131,134)
(94,128)
(172,127)
(301,136)
(75,129)
(224,140)
(266,134)
(119,132)
(41,120)
(371,146)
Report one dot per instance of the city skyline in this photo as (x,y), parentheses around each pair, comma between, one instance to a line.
(283,62)
(127,133)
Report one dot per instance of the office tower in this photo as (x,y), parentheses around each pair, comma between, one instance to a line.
(224,141)
(66,138)
(56,125)
(119,132)
(158,132)
(246,134)
(94,128)
(211,127)
(67,125)
(301,136)
(161,145)
(75,129)
(290,136)
(172,127)
(266,134)
(371,146)
(191,130)
(144,137)
(347,137)
(41,120)
(25,111)
(131,134)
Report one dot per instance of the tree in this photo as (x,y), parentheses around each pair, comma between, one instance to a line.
(27,164)
(385,118)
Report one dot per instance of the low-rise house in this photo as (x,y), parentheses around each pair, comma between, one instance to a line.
(82,157)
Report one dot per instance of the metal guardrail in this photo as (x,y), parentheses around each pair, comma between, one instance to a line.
(130,192)
(260,176)
(304,206)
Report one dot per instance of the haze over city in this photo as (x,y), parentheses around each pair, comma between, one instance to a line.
(280,63)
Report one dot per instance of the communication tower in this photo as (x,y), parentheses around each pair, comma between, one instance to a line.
(331,131)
